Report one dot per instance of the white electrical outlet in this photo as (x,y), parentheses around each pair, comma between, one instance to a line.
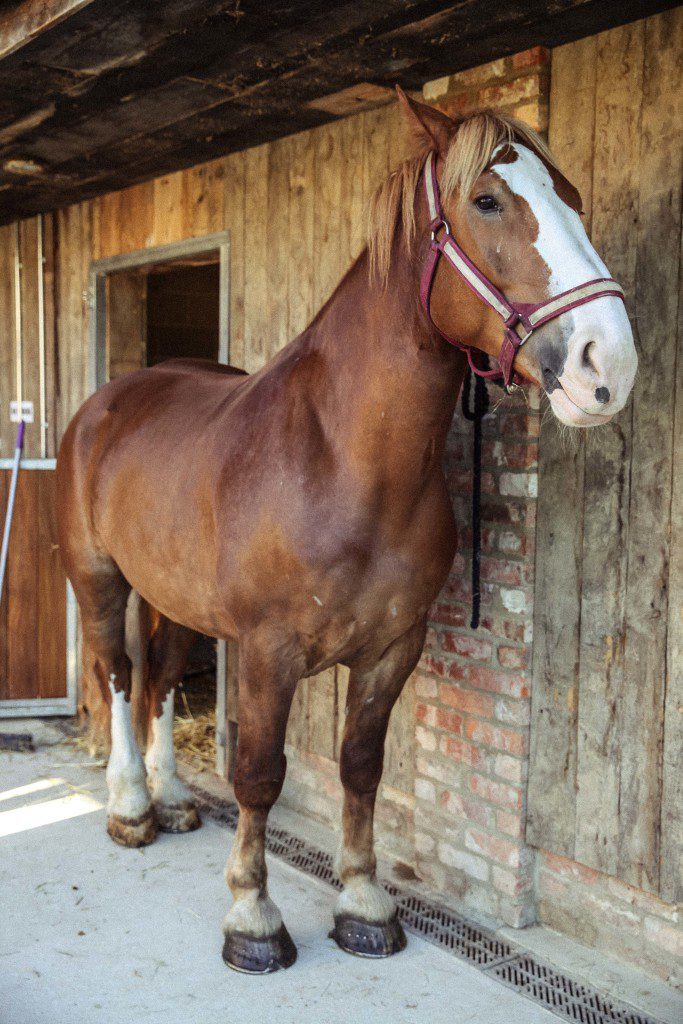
(26,413)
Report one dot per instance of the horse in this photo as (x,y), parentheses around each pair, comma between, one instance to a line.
(302,510)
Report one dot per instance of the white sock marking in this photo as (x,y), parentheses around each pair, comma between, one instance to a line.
(165,786)
(128,795)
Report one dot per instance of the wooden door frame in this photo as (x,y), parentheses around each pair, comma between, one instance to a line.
(42,707)
(97,376)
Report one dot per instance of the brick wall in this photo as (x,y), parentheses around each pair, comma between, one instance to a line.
(473,688)
(606,913)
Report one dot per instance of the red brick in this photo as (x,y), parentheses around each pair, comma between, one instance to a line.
(501,570)
(461,751)
(449,721)
(498,682)
(467,700)
(496,792)
(457,671)
(435,665)
(501,850)
(466,646)
(513,657)
(537,56)
(503,628)
(508,740)
(426,714)
(449,614)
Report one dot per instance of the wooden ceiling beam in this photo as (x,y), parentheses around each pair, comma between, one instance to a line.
(261,87)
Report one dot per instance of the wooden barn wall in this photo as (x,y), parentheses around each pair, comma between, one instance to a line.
(605,777)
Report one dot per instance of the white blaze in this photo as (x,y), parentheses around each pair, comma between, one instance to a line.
(565,248)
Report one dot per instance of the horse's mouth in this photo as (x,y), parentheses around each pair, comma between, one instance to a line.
(568,412)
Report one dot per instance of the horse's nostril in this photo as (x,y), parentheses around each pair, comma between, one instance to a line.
(587,356)
(602,395)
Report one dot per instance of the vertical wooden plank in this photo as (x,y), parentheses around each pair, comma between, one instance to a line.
(234,220)
(204,206)
(607,492)
(74,255)
(671,811)
(50,594)
(28,232)
(8,385)
(256,325)
(657,301)
(169,217)
(352,209)
(126,323)
(551,816)
(21,582)
(51,380)
(135,217)
(375,151)
(278,245)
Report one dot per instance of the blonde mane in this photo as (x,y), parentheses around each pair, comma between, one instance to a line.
(478,136)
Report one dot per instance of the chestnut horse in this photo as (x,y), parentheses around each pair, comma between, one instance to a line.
(303,510)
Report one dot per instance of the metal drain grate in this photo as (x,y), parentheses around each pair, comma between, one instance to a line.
(564,996)
(505,961)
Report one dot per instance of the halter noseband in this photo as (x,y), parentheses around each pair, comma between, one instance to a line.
(524,315)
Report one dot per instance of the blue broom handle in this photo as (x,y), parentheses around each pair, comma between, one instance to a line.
(10,503)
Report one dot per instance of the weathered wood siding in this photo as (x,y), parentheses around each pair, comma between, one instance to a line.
(33,603)
(605,764)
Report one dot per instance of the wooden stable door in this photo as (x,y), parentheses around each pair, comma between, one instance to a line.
(33,609)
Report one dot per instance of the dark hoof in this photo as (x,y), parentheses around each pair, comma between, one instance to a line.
(364,939)
(259,955)
(133,832)
(183,818)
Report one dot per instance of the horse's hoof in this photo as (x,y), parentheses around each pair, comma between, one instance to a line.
(252,955)
(181,818)
(365,939)
(133,831)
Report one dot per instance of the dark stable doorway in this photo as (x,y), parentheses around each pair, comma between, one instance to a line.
(183,321)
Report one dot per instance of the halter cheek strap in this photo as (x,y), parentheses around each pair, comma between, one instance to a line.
(520,319)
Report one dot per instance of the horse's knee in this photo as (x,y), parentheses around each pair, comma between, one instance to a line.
(360,765)
(259,780)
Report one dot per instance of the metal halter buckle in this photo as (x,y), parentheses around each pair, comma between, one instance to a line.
(443,224)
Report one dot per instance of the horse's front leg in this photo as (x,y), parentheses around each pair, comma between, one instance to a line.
(365,920)
(256,940)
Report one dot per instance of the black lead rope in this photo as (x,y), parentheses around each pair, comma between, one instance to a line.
(476,415)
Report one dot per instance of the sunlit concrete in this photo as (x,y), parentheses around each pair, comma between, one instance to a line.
(96,934)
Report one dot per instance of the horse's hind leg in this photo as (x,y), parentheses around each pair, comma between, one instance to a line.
(167,653)
(102,594)
(365,920)
(256,940)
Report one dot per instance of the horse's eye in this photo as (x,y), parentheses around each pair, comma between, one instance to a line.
(487,204)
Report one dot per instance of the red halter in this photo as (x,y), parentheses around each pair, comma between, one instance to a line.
(529,315)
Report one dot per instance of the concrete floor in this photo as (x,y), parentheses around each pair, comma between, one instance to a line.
(92,932)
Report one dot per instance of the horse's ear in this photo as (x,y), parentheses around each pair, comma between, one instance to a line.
(431,128)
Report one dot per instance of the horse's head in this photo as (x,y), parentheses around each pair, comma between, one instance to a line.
(518,220)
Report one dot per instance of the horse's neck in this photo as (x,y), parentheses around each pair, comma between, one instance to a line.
(390,383)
